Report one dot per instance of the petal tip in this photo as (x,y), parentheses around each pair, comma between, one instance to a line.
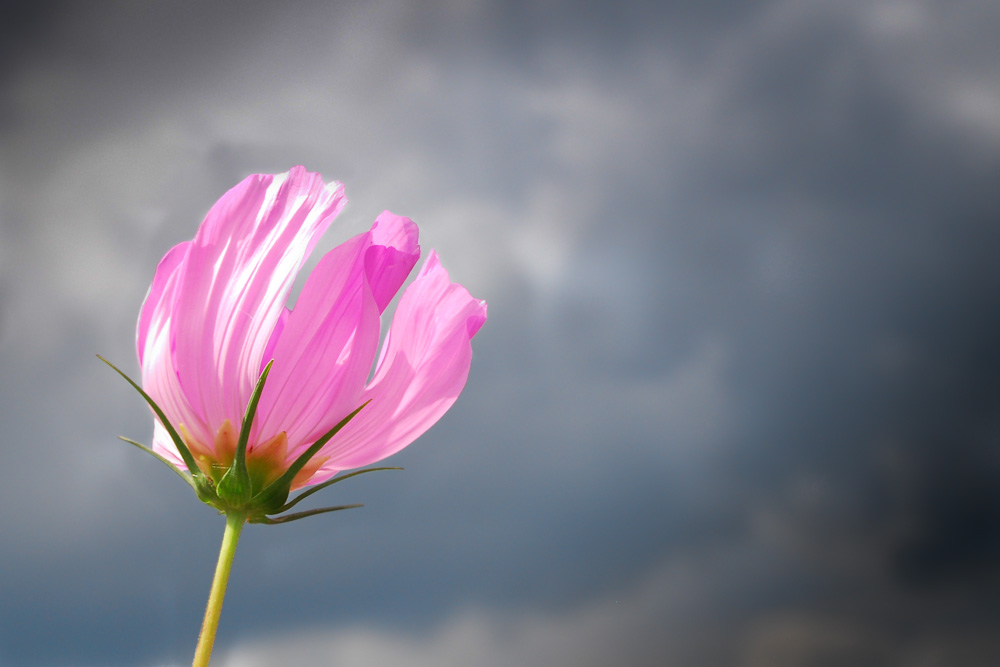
(396,231)
(476,321)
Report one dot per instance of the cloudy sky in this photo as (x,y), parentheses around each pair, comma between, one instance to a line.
(738,399)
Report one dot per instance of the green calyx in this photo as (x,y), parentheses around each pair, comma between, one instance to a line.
(242,489)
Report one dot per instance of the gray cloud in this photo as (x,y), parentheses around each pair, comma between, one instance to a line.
(739,374)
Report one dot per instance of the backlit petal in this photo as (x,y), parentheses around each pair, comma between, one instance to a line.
(422,372)
(216,314)
(394,254)
(237,274)
(325,352)
(154,343)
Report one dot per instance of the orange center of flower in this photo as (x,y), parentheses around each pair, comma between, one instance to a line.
(266,461)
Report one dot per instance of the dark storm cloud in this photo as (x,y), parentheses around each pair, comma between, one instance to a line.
(741,276)
(873,377)
(891,339)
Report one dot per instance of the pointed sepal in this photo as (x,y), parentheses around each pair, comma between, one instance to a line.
(234,492)
(235,488)
(180,473)
(340,478)
(271,521)
(202,486)
(272,497)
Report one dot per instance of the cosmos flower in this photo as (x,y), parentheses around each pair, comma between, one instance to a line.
(243,383)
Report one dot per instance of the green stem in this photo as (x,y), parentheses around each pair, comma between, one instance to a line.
(202,654)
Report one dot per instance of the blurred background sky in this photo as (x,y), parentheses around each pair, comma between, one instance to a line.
(738,399)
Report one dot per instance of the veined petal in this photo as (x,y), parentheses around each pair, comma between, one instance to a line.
(393,255)
(156,307)
(164,446)
(325,348)
(154,347)
(272,342)
(423,369)
(236,277)
(215,315)
(160,380)
(325,351)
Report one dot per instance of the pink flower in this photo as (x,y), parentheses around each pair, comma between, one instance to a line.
(216,314)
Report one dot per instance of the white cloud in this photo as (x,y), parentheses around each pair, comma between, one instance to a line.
(725,605)
(648,623)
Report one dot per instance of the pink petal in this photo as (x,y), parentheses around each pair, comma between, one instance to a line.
(215,314)
(236,277)
(325,352)
(423,370)
(325,349)
(272,342)
(154,313)
(164,446)
(389,267)
(154,347)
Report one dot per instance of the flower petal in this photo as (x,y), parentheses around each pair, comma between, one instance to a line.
(424,368)
(164,446)
(155,308)
(389,267)
(325,352)
(215,315)
(236,276)
(154,346)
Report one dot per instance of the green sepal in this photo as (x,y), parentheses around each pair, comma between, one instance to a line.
(183,475)
(272,497)
(302,496)
(234,488)
(202,486)
(271,521)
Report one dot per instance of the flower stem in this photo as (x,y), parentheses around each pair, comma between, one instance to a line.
(202,654)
